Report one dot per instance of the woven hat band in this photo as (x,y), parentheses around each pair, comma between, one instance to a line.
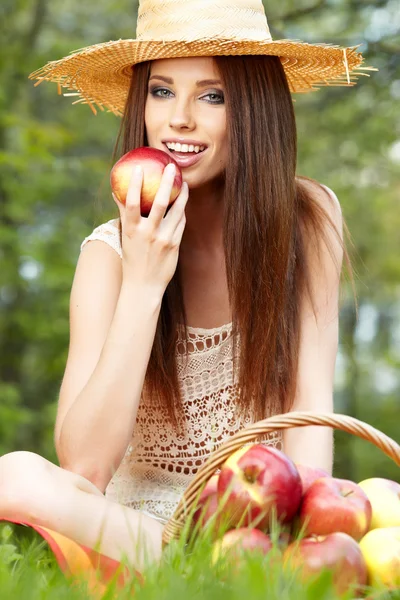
(191,20)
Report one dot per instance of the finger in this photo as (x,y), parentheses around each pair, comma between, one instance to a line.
(117,202)
(175,212)
(163,194)
(132,205)
(179,221)
(178,233)
(120,206)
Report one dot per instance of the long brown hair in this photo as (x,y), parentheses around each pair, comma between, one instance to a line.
(268,215)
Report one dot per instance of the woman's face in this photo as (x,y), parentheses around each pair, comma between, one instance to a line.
(185,104)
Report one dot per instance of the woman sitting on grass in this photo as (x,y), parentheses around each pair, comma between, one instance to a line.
(187,326)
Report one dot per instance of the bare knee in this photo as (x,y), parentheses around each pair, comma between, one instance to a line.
(17,467)
(30,486)
(22,477)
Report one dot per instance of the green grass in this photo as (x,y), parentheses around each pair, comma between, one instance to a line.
(29,571)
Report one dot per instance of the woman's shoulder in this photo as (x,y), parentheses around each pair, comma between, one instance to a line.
(108,232)
(322,227)
(319,191)
(323,196)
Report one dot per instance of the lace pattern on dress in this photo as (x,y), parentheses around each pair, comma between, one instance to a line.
(159,464)
(107,232)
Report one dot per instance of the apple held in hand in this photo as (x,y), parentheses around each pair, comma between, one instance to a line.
(384,495)
(381,551)
(153,163)
(337,552)
(310,474)
(332,505)
(242,539)
(257,482)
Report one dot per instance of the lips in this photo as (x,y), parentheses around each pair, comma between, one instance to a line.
(184,141)
(185,159)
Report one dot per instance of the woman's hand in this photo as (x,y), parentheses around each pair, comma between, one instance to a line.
(150,246)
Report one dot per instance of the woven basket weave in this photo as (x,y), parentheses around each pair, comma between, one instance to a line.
(174,526)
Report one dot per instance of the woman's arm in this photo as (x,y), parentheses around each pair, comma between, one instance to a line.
(318,345)
(112,328)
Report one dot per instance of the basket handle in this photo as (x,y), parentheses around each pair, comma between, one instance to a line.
(352,425)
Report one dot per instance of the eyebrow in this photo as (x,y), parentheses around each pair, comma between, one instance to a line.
(198,83)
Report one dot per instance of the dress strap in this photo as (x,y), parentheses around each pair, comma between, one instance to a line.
(108,233)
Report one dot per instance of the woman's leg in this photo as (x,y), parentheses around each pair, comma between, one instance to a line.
(35,490)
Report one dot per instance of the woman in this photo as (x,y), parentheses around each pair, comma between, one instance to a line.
(248,258)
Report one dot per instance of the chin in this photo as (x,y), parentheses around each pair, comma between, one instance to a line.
(196,182)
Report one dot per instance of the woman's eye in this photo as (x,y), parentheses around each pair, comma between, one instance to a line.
(216,98)
(158,92)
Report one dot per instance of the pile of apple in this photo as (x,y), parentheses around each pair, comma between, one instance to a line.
(326,523)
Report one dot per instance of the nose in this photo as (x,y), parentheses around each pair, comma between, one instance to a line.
(181,116)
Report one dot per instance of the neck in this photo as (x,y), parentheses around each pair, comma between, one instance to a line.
(204,221)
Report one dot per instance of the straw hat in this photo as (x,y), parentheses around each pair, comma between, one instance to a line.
(100,74)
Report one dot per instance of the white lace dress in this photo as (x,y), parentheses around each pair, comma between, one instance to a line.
(158,465)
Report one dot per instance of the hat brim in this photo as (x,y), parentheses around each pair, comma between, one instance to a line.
(100,75)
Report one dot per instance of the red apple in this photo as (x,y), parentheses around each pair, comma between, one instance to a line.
(236,540)
(337,552)
(257,482)
(207,505)
(153,163)
(310,474)
(332,504)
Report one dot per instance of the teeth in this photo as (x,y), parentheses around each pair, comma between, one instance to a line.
(184,147)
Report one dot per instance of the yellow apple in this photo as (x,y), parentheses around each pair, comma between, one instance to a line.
(384,495)
(381,551)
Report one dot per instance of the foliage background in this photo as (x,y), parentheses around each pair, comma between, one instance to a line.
(54,164)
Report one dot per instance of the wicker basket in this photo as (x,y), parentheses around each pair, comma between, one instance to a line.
(173,527)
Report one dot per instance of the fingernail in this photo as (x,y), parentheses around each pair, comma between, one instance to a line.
(137,170)
(171,168)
